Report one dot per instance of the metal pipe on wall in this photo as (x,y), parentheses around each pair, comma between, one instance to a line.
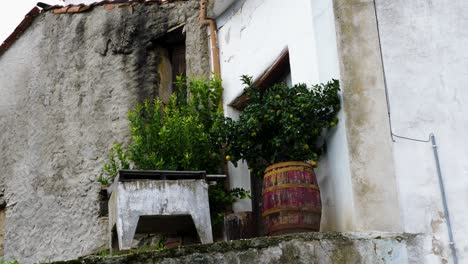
(215,55)
(431,139)
(444,199)
(213,36)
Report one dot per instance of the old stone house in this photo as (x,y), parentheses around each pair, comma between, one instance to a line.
(66,84)
(68,75)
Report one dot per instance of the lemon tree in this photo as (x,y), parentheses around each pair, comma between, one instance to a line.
(283,123)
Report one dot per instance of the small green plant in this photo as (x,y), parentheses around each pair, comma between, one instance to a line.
(283,123)
(220,199)
(117,159)
(103,253)
(9,262)
(161,244)
(103,180)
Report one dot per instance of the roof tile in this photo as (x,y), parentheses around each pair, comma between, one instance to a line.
(74,9)
(85,8)
(61,10)
(109,6)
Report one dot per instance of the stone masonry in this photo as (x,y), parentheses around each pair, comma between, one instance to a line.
(66,85)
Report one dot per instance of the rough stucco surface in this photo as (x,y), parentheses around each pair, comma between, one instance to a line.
(300,248)
(424,47)
(65,88)
(375,194)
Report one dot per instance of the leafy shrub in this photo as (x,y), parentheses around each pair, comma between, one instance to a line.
(182,135)
(220,199)
(283,123)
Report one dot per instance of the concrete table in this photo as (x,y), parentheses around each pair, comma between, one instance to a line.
(161,202)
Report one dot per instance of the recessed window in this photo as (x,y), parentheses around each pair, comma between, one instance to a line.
(279,71)
(173,63)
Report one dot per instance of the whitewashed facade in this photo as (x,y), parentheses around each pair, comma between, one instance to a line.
(368,181)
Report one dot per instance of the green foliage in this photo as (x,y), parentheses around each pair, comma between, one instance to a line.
(103,179)
(161,245)
(186,134)
(220,199)
(283,123)
(117,159)
(9,262)
(158,246)
(172,138)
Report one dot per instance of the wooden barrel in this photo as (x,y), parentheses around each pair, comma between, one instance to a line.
(291,199)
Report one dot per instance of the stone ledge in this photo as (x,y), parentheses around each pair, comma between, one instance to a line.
(331,247)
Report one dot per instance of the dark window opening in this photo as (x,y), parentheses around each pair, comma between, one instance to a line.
(103,203)
(174,43)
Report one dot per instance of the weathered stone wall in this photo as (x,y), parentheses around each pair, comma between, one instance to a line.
(301,248)
(66,86)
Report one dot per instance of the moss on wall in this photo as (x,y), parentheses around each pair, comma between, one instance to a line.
(296,248)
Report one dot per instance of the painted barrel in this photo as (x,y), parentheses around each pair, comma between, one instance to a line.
(291,199)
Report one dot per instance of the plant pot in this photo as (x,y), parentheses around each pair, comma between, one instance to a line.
(291,199)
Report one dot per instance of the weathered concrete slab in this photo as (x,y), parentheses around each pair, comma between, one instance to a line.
(304,248)
(133,200)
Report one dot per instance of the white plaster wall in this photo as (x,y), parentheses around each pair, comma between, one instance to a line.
(424,47)
(333,171)
(217,7)
(252,34)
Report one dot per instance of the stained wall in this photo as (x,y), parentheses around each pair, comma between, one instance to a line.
(66,85)
(423,44)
